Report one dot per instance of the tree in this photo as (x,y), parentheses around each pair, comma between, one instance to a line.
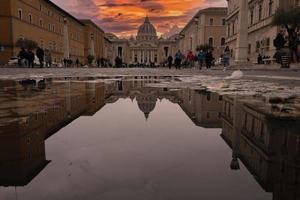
(290,18)
(26,44)
(204,47)
(90,59)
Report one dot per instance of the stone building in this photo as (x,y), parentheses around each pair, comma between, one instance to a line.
(249,30)
(144,49)
(47,24)
(206,27)
(93,39)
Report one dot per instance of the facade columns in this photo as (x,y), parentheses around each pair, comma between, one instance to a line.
(242,34)
(66,40)
(92,45)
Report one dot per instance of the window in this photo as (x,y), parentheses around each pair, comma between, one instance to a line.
(20,13)
(223,22)
(41,23)
(249,48)
(211,41)
(222,41)
(53,28)
(211,21)
(30,18)
(251,16)
(260,12)
(271,2)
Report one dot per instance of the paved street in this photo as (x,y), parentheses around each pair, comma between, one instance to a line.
(289,77)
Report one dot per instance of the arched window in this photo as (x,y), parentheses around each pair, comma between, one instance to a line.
(41,23)
(30,18)
(211,41)
(20,13)
(222,41)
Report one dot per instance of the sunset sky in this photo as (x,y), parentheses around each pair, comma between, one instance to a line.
(123,17)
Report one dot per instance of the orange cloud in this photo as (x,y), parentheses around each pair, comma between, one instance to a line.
(123,17)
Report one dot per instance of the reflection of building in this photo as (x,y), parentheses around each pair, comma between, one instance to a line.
(206,27)
(145,49)
(267,142)
(257,33)
(203,107)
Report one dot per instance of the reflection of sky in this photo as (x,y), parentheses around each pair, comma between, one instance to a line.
(124,16)
(117,154)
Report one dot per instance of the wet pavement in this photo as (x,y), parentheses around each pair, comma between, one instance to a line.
(148,137)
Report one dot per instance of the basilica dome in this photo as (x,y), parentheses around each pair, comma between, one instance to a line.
(147,31)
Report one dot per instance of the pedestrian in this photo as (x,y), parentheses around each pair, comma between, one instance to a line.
(48,58)
(293,44)
(208,59)
(201,58)
(178,59)
(65,61)
(22,57)
(30,58)
(259,59)
(170,61)
(190,59)
(98,62)
(226,58)
(77,62)
(40,54)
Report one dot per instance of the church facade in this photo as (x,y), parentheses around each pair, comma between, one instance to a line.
(145,49)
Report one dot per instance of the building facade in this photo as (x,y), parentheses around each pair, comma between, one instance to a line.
(249,30)
(144,49)
(206,27)
(51,27)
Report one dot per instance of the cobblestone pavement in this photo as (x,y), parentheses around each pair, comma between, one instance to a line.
(268,82)
(288,76)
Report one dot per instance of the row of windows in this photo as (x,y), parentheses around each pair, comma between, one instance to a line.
(50,27)
(212,22)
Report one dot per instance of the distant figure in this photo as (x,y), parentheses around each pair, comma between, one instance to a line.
(259,59)
(22,57)
(65,62)
(118,62)
(208,59)
(178,59)
(226,57)
(98,62)
(40,54)
(170,61)
(190,59)
(30,59)
(201,58)
(48,58)
(77,62)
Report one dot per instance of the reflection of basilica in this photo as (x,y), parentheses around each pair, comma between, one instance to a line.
(266,143)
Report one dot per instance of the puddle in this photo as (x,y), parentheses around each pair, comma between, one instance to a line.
(131,138)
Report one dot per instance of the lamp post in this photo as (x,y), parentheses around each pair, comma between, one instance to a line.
(197,20)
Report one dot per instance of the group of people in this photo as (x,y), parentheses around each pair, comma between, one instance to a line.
(202,58)
(27,58)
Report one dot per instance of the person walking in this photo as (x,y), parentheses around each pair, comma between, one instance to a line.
(178,59)
(190,59)
(30,58)
(208,59)
(77,62)
(170,61)
(40,54)
(48,58)
(226,57)
(22,57)
(201,58)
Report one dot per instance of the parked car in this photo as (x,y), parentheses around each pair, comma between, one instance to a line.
(13,61)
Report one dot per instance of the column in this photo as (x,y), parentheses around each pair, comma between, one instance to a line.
(92,45)
(132,56)
(66,40)
(242,36)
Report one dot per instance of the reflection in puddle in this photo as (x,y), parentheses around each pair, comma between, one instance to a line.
(87,138)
